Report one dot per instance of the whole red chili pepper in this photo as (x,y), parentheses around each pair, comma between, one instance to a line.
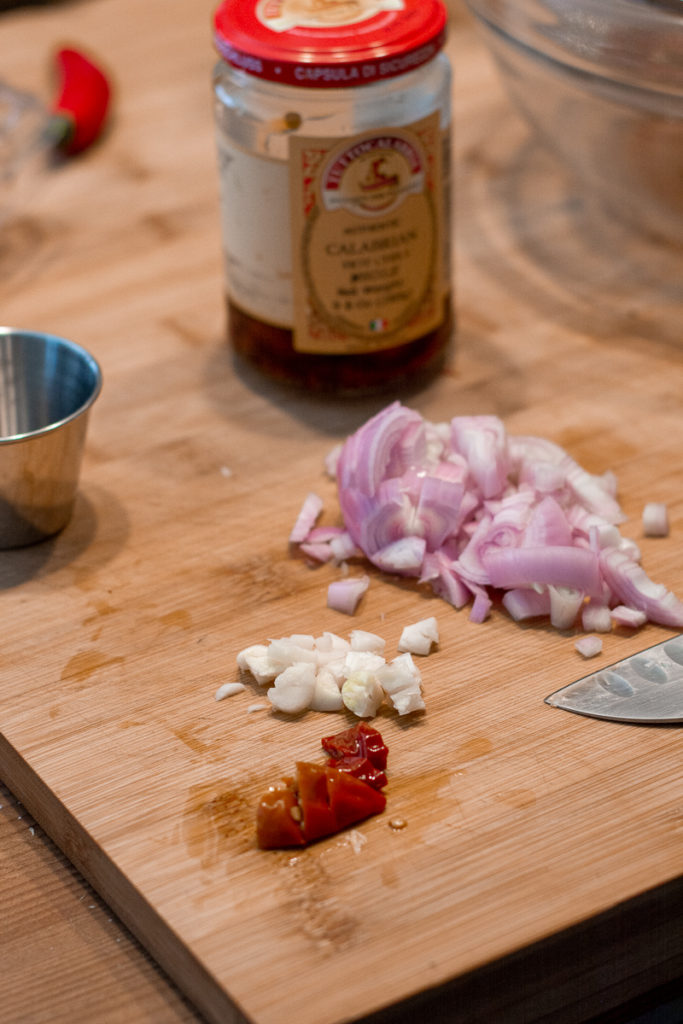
(82,102)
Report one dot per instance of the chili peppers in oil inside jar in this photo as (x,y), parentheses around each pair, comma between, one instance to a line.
(333,135)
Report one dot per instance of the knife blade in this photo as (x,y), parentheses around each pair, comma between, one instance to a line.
(644,689)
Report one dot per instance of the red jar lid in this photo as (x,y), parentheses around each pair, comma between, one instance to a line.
(329,43)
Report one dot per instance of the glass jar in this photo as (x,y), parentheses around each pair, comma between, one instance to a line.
(333,134)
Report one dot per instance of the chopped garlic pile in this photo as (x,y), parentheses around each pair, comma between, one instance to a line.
(418,638)
(329,673)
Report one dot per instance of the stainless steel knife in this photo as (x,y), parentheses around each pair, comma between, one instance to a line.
(643,689)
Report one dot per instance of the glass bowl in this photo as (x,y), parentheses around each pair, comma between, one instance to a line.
(601,81)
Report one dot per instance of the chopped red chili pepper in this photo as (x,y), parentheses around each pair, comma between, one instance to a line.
(318,802)
(278,819)
(361,741)
(82,102)
(361,768)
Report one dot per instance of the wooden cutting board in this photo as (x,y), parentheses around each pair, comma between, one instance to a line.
(541,852)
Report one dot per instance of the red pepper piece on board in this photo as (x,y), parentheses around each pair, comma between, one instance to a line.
(82,102)
(319,802)
(361,768)
(350,799)
(278,819)
(359,741)
(317,815)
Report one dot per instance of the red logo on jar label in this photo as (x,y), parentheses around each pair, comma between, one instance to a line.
(374,175)
(282,15)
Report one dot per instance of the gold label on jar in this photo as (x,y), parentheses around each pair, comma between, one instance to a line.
(282,15)
(367,217)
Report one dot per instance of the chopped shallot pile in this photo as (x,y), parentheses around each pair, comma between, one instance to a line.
(330,673)
(473,511)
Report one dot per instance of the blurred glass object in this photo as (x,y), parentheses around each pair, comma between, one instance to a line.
(23,143)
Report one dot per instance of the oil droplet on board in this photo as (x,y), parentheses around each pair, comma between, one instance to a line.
(191,738)
(86,663)
(179,618)
(397,824)
(101,608)
(215,813)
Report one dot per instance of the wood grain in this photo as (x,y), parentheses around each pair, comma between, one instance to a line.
(65,957)
(538,877)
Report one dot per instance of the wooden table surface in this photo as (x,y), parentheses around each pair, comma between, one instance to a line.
(535,267)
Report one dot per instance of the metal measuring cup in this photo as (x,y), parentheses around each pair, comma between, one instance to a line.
(47,388)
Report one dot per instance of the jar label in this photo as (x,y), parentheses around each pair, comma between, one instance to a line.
(282,15)
(255,224)
(367,217)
